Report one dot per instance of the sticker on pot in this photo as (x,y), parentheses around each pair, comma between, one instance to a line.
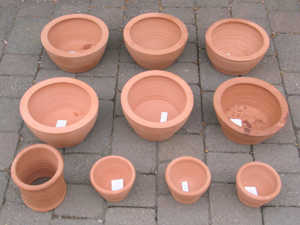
(117,184)
(72,52)
(163,117)
(252,190)
(237,122)
(61,123)
(185,186)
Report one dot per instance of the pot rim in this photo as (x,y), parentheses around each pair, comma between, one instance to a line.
(51,181)
(108,192)
(261,52)
(266,167)
(55,51)
(179,191)
(157,73)
(179,44)
(31,122)
(217,102)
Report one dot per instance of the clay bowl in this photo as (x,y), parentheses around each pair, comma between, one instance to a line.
(60,111)
(148,96)
(190,171)
(155,40)
(33,164)
(75,42)
(249,110)
(108,169)
(236,46)
(263,178)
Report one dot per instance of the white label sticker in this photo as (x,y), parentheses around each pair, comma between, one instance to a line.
(252,190)
(117,185)
(185,186)
(61,123)
(72,52)
(163,117)
(237,122)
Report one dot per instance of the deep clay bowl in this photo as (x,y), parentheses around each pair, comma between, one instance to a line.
(262,109)
(259,175)
(55,99)
(236,46)
(189,169)
(36,162)
(155,40)
(110,168)
(146,95)
(75,42)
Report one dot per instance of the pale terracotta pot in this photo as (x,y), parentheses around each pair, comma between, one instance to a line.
(261,176)
(75,42)
(155,40)
(190,170)
(236,46)
(36,162)
(55,99)
(149,94)
(111,168)
(261,109)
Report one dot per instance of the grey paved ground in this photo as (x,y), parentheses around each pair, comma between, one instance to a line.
(24,62)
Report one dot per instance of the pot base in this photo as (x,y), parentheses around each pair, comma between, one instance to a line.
(186,202)
(229,72)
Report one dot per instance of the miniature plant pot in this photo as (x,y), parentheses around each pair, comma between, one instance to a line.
(249,110)
(156,104)
(236,46)
(113,177)
(257,183)
(36,162)
(60,111)
(155,40)
(188,178)
(75,42)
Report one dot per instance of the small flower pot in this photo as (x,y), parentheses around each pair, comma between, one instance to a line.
(156,104)
(188,178)
(36,162)
(60,111)
(236,46)
(249,110)
(257,183)
(75,42)
(155,40)
(107,171)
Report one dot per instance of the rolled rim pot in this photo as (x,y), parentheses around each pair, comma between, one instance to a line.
(110,168)
(51,102)
(36,162)
(263,178)
(155,40)
(236,46)
(192,171)
(149,96)
(75,42)
(259,108)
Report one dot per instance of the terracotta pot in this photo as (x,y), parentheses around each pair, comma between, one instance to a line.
(109,169)
(36,162)
(257,183)
(236,46)
(188,178)
(249,110)
(76,42)
(60,111)
(156,104)
(155,40)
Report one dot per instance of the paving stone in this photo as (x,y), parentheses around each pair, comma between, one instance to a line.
(113,17)
(124,56)
(8,3)
(3,183)
(208,109)
(203,58)
(7,16)
(76,222)
(13,193)
(291,82)
(34,8)
(295,107)
(8,145)
(126,72)
(189,54)
(115,39)
(226,208)
(141,4)
(176,3)
(186,15)
(70,6)
(107,4)
(212,3)
(187,71)
(45,74)
(285,21)
(118,107)
(11,86)
(131,12)
(273,215)
(282,5)
(192,33)
(46,62)
(248,10)
(162,187)
(9,115)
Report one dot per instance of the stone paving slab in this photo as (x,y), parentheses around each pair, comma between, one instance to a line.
(282,5)
(3,184)
(14,87)
(273,215)
(76,222)
(10,120)
(8,145)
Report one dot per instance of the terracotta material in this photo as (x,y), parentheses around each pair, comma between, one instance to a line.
(55,99)
(190,170)
(261,176)
(110,168)
(36,162)
(236,46)
(148,95)
(155,40)
(76,42)
(260,107)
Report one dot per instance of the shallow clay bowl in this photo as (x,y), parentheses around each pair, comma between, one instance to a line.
(258,106)
(190,170)
(75,42)
(112,168)
(235,46)
(48,103)
(155,40)
(261,176)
